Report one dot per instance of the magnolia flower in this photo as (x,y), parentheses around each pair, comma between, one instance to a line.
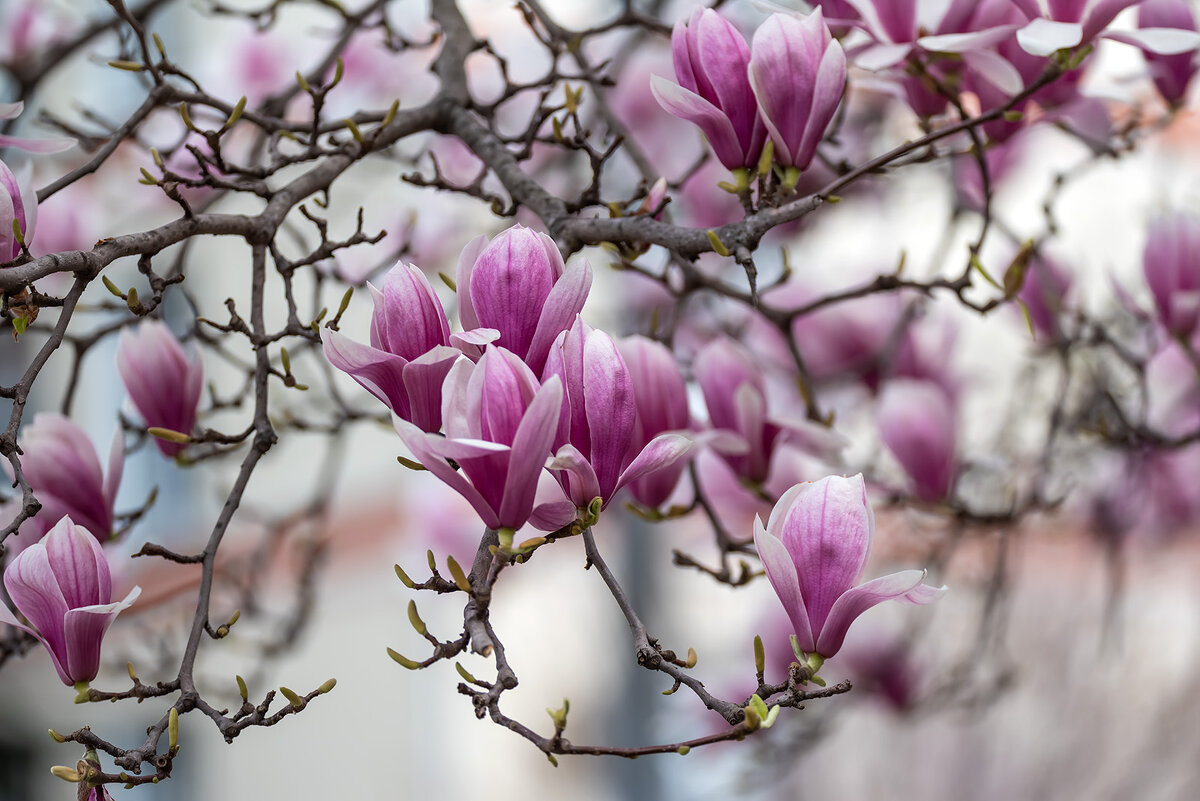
(409,355)
(18,210)
(660,400)
(1044,292)
(814,549)
(916,420)
(713,93)
(500,427)
(62,586)
(516,291)
(163,383)
(798,73)
(1171,264)
(1171,73)
(10,111)
(1059,24)
(595,455)
(61,465)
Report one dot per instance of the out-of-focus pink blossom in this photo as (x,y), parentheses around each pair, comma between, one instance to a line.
(1171,264)
(62,587)
(797,72)
(1171,73)
(814,549)
(735,393)
(1059,24)
(163,383)
(917,421)
(61,465)
(1044,293)
(500,428)
(595,442)
(660,398)
(711,62)
(10,111)
(517,285)
(1001,158)
(30,26)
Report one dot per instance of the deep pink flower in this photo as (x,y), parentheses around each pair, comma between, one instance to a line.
(814,549)
(1044,293)
(517,285)
(18,204)
(163,383)
(798,73)
(61,465)
(595,439)
(1059,24)
(713,93)
(1171,73)
(735,393)
(61,585)
(409,355)
(660,398)
(500,429)
(916,419)
(1171,264)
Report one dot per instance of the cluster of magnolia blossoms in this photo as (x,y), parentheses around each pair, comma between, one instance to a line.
(57,573)
(526,385)
(787,84)
(528,388)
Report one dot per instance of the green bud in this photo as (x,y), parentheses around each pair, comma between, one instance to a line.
(327,686)
(242,690)
(462,671)
(173,729)
(415,618)
(56,737)
(403,661)
(66,774)
(169,435)
(456,573)
(404,579)
(717,245)
(293,699)
(128,66)
(760,656)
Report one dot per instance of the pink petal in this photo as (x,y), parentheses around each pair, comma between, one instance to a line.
(905,585)
(85,629)
(530,449)
(704,115)
(1043,37)
(563,304)
(781,572)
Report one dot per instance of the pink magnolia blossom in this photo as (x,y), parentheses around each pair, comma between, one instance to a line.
(798,73)
(1171,73)
(713,93)
(62,587)
(900,29)
(660,398)
(163,383)
(916,419)
(409,355)
(10,111)
(500,428)
(595,441)
(1171,264)
(518,286)
(18,207)
(1059,24)
(1044,293)
(735,392)
(61,465)
(814,549)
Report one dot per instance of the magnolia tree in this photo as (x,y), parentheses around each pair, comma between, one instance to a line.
(699,153)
